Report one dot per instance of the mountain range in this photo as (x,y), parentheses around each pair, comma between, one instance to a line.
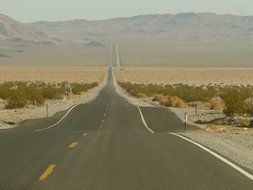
(15,31)
(184,24)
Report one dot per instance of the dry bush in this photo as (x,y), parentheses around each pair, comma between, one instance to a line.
(213,128)
(157,98)
(79,88)
(175,101)
(234,98)
(249,106)
(219,122)
(141,95)
(21,94)
(163,100)
(217,104)
(2,103)
(160,97)
(229,99)
(198,104)
(244,122)
(170,101)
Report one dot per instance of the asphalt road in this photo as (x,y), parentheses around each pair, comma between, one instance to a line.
(104,145)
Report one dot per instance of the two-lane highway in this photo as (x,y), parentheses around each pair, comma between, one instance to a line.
(104,145)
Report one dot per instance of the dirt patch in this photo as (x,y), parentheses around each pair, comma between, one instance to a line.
(52,74)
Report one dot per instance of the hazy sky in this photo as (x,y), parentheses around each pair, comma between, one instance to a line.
(36,10)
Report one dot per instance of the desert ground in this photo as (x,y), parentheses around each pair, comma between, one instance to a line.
(167,51)
(32,54)
(52,74)
(186,75)
(47,74)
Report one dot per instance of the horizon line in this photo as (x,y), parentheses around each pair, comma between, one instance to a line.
(138,15)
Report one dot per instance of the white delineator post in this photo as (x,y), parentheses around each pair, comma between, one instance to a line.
(47,110)
(185,120)
(35,105)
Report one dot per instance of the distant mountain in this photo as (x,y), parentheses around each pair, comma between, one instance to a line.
(17,32)
(95,44)
(184,24)
(3,55)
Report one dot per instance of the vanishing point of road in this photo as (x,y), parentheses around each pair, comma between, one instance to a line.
(106,145)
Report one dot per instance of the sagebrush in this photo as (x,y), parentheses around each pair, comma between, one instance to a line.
(20,94)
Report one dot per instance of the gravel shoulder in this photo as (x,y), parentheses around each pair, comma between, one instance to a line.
(237,145)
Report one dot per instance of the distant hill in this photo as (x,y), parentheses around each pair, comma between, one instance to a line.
(95,44)
(3,55)
(184,24)
(17,32)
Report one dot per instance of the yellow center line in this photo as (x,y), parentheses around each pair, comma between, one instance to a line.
(103,121)
(85,134)
(104,114)
(47,172)
(73,144)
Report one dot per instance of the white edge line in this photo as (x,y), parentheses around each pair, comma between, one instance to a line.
(3,130)
(116,83)
(248,175)
(51,126)
(142,117)
(143,120)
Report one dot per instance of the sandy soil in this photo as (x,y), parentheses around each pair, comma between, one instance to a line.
(47,55)
(163,50)
(52,74)
(186,75)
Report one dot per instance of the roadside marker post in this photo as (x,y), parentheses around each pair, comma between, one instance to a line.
(47,109)
(251,114)
(185,120)
(35,105)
